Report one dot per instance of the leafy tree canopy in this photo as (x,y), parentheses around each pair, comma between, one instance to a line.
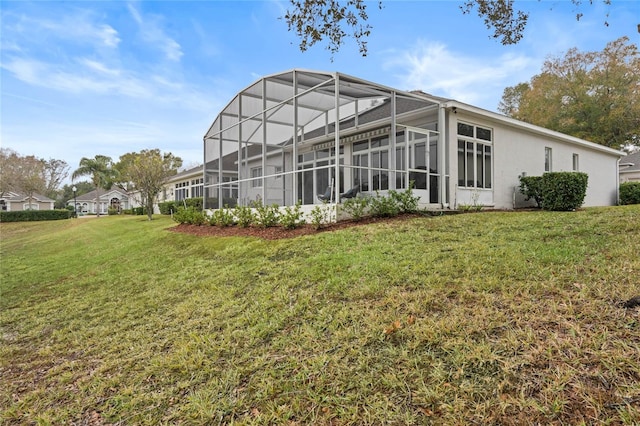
(30,174)
(146,172)
(337,20)
(590,95)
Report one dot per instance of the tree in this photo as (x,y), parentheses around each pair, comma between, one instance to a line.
(29,174)
(590,95)
(337,20)
(100,168)
(55,171)
(147,172)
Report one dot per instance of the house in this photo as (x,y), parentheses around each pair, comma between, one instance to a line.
(308,136)
(630,168)
(114,198)
(18,201)
(185,184)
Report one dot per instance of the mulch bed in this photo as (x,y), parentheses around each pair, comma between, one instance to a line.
(278,232)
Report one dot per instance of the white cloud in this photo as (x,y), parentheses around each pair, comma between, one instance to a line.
(478,80)
(152,33)
(79,27)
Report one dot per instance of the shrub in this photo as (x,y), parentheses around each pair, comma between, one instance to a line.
(382,206)
(292,216)
(189,215)
(406,201)
(127,211)
(266,216)
(139,211)
(321,215)
(562,191)
(356,207)
(244,216)
(112,211)
(222,217)
(167,207)
(630,193)
(531,187)
(34,215)
(192,202)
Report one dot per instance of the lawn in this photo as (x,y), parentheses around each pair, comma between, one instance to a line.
(488,318)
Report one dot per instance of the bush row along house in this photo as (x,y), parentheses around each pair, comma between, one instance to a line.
(310,136)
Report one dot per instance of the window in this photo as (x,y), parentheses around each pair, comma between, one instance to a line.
(278,172)
(256,172)
(181,191)
(230,189)
(474,156)
(576,162)
(197,188)
(547,159)
(31,206)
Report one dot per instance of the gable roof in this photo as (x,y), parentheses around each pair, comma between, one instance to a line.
(20,196)
(194,171)
(630,163)
(91,196)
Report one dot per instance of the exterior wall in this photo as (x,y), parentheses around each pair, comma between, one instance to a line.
(517,151)
(17,206)
(633,176)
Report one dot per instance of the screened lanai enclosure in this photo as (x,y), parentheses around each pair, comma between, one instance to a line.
(320,137)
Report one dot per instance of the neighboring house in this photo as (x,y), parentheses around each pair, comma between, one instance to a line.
(185,184)
(114,198)
(277,141)
(17,201)
(630,168)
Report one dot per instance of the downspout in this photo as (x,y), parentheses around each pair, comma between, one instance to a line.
(294,160)
(264,141)
(337,140)
(392,143)
(239,149)
(443,155)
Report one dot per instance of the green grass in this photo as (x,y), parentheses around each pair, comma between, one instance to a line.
(505,318)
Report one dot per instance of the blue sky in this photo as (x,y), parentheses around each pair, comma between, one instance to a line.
(110,77)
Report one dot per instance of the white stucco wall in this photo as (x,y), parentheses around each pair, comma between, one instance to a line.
(518,150)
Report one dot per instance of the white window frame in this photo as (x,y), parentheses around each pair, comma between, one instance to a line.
(478,150)
(256,174)
(548,159)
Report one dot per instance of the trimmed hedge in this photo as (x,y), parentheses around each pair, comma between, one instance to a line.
(560,191)
(630,193)
(563,191)
(34,215)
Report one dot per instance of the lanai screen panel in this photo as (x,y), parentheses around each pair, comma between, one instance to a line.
(259,132)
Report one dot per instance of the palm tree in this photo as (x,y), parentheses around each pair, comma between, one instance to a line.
(101,172)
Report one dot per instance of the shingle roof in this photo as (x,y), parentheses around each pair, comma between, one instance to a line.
(20,196)
(91,196)
(633,161)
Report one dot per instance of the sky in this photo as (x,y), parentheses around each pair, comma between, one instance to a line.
(86,78)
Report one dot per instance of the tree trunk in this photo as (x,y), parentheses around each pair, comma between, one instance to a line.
(97,200)
(150,206)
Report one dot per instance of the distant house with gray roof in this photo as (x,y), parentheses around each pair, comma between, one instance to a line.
(17,201)
(630,168)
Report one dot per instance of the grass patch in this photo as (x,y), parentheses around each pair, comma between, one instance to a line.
(492,318)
